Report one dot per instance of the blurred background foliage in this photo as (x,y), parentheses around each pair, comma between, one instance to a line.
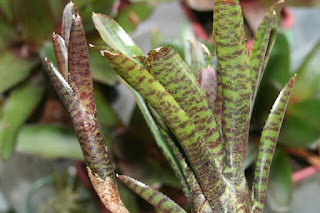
(33,120)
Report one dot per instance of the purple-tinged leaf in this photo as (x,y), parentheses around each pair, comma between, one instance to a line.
(154,197)
(69,12)
(61,53)
(79,66)
(267,146)
(208,80)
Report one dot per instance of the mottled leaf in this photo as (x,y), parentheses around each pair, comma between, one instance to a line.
(17,108)
(111,32)
(301,128)
(152,196)
(280,187)
(49,142)
(194,145)
(234,71)
(133,14)
(307,85)
(261,45)
(13,69)
(268,141)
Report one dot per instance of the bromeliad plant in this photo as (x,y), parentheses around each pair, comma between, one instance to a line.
(200,122)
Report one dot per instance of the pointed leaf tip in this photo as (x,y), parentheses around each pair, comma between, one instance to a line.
(79,65)
(267,145)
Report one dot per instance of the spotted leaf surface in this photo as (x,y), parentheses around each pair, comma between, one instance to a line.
(152,196)
(267,146)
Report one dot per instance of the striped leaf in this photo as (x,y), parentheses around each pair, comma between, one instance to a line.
(234,70)
(152,196)
(267,146)
(77,96)
(113,34)
(194,145)
(170,70)
(199,202)
(195,195)
(261,45)
(161,141)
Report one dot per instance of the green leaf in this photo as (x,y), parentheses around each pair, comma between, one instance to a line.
(13,69)
(234,70)
(19,105)
(268,141)
(261,45)
(111,32)
(192,142)
(278,67)
(133,14)
(152,196)
(280,187)
(161,141)
(99,6)
(301,128)
(49,142)
(170,70)
(101,70)
(307,85)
